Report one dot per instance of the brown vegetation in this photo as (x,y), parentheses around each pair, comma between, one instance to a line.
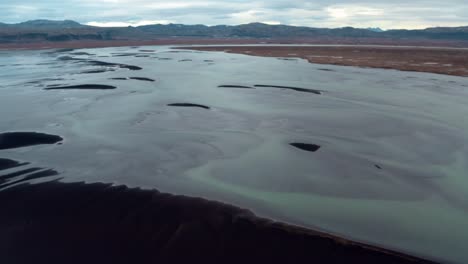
(452,61)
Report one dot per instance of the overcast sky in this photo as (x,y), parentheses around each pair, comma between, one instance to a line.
(386,14)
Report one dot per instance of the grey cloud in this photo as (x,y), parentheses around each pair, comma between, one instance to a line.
(331,13)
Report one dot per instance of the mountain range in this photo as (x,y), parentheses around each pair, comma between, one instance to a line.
(56,31)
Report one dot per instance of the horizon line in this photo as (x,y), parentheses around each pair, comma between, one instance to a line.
(118,24)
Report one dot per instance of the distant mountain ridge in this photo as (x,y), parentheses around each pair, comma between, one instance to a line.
(50,24)
(48,30)
(375,29)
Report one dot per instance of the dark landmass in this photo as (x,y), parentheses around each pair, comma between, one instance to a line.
(110,64)
(235,86)
(133,78)
(12,140)
(25,176)
(96,71)
(54,222)
(42,33)
(142,79)
(6,164)
(189,105)
(22,175)
(79,53)
(451,61)
(100,63)
(297,89)
(83,87)
(306,147)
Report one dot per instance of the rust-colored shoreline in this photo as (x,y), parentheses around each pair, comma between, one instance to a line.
(76,44)
(450,61)
(432,57)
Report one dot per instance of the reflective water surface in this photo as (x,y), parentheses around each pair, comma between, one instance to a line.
(379,156)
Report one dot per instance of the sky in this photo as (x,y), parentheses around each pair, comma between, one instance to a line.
(386,14)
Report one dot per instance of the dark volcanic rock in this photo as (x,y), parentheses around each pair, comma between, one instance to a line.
(83,87)
(11,140)
(189,105)
(314,91)
(235,86)
(306,147)
(54,222)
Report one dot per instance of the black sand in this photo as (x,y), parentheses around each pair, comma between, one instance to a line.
(235,86)
(56,222)
(83,87)
(306,147)
(142,79)
(6,164)
(189,105)
(12,140)
(291,88)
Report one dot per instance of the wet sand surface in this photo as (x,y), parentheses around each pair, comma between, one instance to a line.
(435,60)
(376,156)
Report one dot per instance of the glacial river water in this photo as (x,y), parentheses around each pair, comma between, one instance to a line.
(379,156)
